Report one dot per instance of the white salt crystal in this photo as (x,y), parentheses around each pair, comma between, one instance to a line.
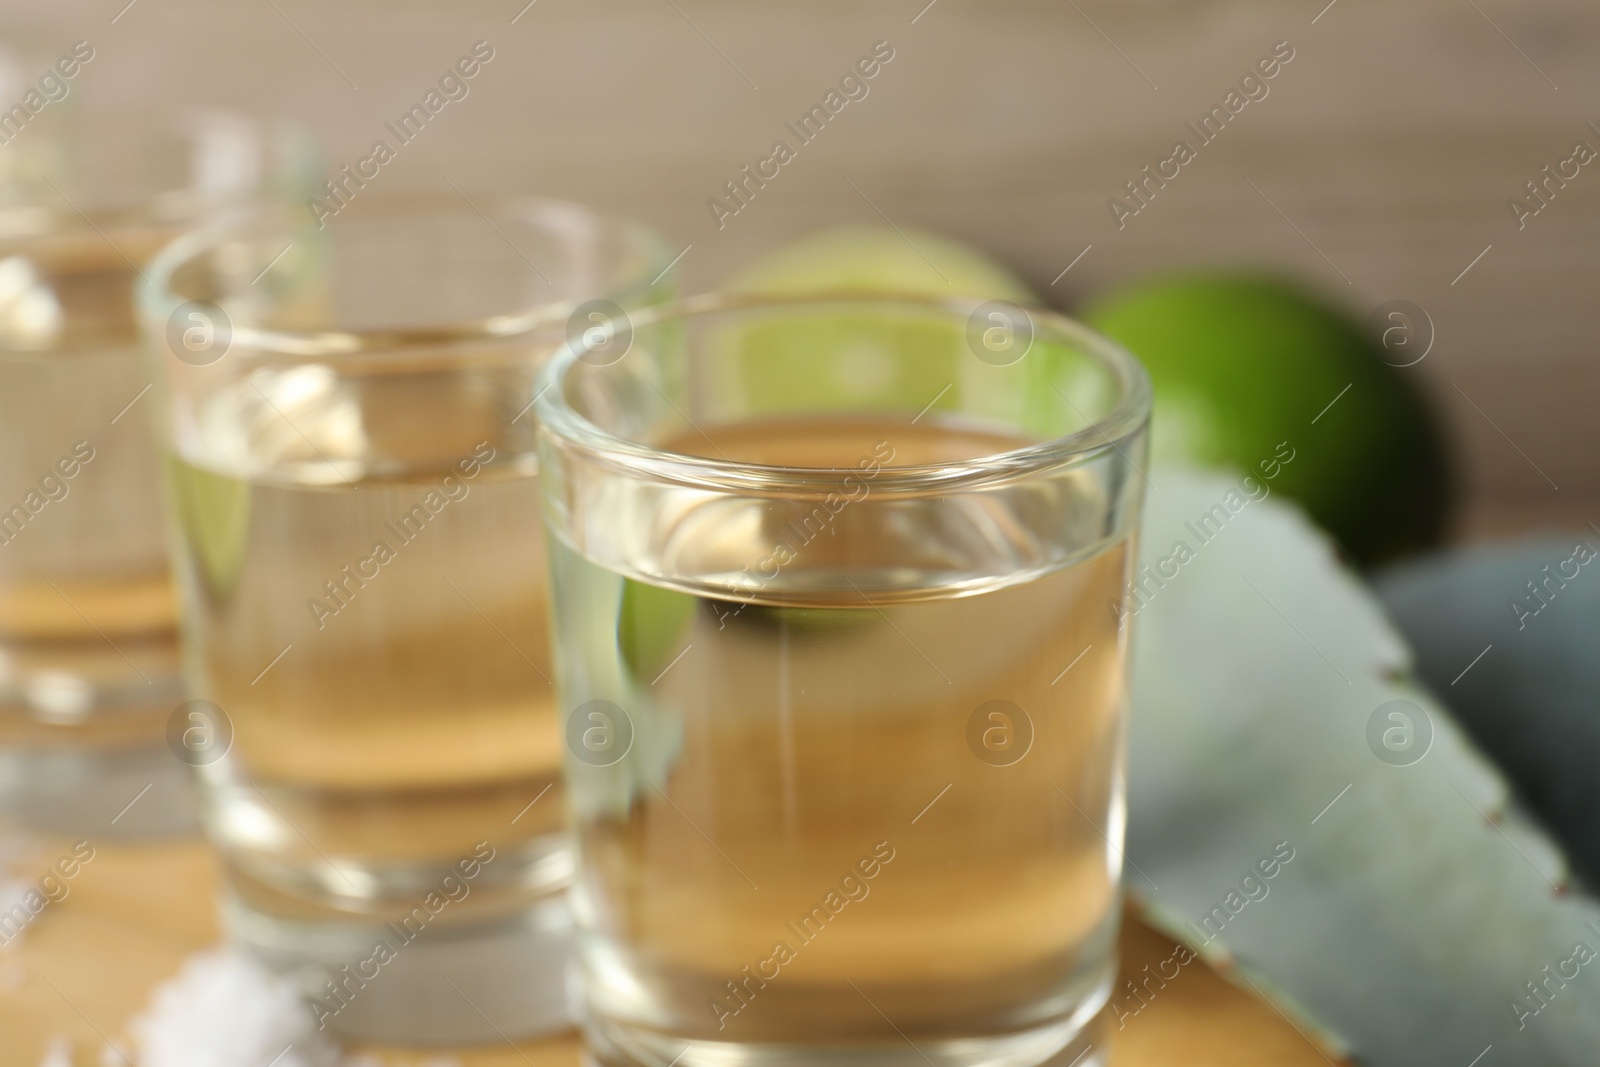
(225,1010)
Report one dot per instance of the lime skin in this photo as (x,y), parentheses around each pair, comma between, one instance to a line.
(1242,363)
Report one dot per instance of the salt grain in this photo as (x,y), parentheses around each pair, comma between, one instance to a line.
(225,1010)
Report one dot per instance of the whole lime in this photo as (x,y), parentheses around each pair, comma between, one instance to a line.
(879,259)
(860,359)
(854,359)
(1249,369)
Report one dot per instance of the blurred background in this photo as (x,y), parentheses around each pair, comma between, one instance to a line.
(1382,159)
(1379,167)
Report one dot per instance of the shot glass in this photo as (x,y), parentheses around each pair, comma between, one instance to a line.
(838,588)
(88,645)
(350,447)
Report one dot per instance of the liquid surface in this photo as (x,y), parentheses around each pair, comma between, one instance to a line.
(842,443)
(830,812)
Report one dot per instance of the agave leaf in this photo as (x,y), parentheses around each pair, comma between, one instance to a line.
(1416,906)
(1524,617)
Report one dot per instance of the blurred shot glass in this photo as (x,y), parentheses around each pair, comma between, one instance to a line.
(88,652)
(349,432)
(836,587)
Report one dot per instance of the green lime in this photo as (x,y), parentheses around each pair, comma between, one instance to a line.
(879,360)
(880,259)
(214,512)
(871,361)
(652,622)
(1249,370)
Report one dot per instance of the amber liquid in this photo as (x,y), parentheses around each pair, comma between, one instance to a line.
(376,634)
(87,616)
(816,725)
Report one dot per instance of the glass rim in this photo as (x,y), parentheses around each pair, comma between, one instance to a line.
(38,221)
(1126,418)
(29,212)
(377,348)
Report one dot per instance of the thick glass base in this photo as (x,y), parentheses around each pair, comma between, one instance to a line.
(83,745)
(1080,1040)
(467,979)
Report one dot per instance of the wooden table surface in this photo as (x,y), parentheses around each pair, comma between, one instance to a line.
(88,964)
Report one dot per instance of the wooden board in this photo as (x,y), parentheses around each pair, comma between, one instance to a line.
(89,962)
